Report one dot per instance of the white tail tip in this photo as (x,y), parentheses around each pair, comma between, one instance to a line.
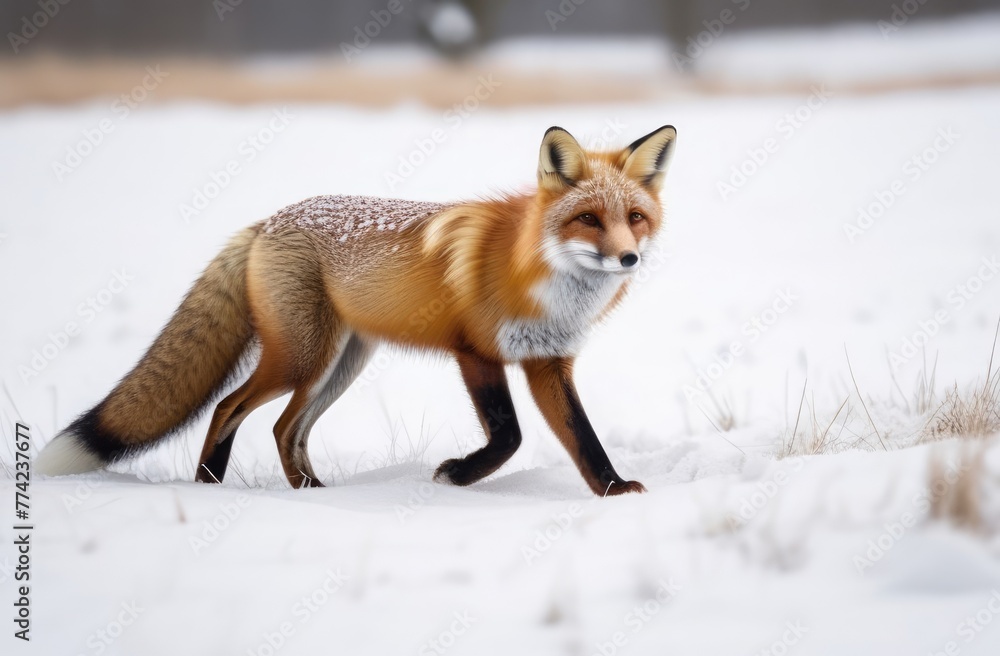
(66,454)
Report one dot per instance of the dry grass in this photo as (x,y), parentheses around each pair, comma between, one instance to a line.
(923,397)
(820,436)
(955,477)
(819,433)
(862,399)
(720,414)
(973,413)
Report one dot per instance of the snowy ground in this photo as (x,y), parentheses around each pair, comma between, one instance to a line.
(733,551)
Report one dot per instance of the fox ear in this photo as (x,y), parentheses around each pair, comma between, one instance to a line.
(561,160)
(646,158)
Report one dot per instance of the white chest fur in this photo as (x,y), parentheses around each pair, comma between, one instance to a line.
(571,303)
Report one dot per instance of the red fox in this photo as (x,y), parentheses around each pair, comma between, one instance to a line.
(312,291)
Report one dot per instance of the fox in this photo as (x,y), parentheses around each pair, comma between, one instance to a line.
(309,294)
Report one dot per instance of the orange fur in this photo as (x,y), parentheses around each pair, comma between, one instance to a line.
(518,278)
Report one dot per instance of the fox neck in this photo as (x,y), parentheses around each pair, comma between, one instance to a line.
(565,301)
(569,306)
(570,297)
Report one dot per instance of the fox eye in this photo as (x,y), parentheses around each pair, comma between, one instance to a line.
(635,217)
(588,218)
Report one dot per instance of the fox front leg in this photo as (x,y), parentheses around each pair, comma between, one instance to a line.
(487,385)
(551,383)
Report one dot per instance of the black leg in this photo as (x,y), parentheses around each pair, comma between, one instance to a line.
(213,469)
(551,383)
(487,385)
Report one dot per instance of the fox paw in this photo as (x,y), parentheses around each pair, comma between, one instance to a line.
(447,472)
(625,488)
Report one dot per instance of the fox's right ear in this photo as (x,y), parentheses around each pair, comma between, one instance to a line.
(561,161)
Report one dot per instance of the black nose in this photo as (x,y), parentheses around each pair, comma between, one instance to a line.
(629,260)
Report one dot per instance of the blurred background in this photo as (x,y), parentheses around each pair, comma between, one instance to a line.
(247,51)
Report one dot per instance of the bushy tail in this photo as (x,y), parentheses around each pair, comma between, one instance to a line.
(189,363)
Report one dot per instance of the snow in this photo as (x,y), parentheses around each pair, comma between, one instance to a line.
(528,562)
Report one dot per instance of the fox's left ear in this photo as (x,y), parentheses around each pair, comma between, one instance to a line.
(646,158)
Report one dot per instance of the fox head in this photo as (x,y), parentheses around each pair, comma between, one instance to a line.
(601,209)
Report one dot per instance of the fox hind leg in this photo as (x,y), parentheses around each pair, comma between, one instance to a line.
(309,402)
(265,384)
(300,333)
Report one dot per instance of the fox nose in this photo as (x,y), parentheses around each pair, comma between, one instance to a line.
(629,259)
